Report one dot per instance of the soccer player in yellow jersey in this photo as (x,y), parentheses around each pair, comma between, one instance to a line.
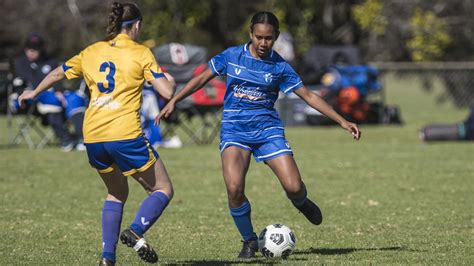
(115,70)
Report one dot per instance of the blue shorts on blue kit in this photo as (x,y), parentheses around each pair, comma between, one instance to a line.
(131,156)
(262,151)
(249,119)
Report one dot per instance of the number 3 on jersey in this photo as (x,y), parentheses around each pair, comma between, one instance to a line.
(109,77)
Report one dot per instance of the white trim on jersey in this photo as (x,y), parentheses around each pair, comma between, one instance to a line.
(230,121)
(233,110)
(273,153)
(250,70)
(285,91)
(275,136)
(246,80)
(214,67)
(266,61)
(248,132)
(237,65)
(273,128)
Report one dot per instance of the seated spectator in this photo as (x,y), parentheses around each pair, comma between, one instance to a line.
(30,68)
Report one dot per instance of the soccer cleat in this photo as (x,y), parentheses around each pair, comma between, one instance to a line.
(67,147)
(80,146)
(106,262)
(249,248)
(311,211)
(143,249)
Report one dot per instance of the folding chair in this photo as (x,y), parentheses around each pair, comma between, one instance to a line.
(25,125)
(196,116)
(207,105)
(200,122)
(29,124)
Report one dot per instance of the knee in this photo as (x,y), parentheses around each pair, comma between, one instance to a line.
(295,189)
(168,191)
(118,195)
(235,193)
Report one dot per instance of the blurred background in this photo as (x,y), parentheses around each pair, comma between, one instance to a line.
(354,53)
(403,69)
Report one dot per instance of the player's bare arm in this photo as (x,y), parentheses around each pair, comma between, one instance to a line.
(54,76)
(313,100)
(165,86)
(192,86)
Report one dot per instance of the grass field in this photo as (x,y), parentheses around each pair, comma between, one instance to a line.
(388,199)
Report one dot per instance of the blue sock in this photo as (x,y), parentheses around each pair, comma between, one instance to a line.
(243,221)
(111,220)
(149,212)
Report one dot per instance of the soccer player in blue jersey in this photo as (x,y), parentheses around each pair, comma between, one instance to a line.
(255,74)
(115,70)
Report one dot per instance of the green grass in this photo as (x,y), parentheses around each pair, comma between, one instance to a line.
(388,199)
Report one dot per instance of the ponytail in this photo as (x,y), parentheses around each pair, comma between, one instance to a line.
(115,21)
(121,16)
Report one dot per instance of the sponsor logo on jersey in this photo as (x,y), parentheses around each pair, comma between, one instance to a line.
(249,93)
(105,102)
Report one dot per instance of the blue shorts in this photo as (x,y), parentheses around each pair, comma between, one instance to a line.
(263,151)
(131,156)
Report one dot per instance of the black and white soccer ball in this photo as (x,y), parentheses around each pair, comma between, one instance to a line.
(276,241)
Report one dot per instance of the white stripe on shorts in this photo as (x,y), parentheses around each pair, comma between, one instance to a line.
(236,144)
(273,153)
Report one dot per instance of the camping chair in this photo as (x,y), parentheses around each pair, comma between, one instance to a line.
(23,125)
(206,105)
(28,124)
(31,126)
(195,116)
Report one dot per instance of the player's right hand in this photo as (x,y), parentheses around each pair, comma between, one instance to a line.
(353,129)
(26,95)
(165,112)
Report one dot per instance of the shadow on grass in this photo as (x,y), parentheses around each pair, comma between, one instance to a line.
(341,251)
(261,261)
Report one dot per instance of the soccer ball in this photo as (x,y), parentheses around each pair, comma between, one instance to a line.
(276,241)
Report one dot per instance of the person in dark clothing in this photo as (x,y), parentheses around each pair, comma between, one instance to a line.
(30,69)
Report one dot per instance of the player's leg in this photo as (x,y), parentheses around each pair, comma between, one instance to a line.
(156,182)
(235,164)
(286,170)
(117,193)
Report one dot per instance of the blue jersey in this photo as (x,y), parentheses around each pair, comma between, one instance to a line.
(252,86)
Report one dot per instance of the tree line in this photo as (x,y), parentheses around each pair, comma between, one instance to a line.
(391,30)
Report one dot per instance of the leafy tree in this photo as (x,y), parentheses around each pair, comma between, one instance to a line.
(430,37)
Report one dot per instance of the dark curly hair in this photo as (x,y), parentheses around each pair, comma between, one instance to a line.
(121,16)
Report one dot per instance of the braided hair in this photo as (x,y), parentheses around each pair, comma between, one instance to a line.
(121,16)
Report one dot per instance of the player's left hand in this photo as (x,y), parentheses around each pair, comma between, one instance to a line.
(165,112)
(353,129)
(26,95)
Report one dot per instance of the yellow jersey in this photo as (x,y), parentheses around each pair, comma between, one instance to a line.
(114,72)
